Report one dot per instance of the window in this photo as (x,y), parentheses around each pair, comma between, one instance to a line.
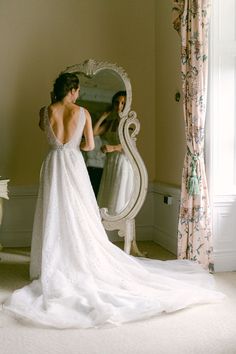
(222,88)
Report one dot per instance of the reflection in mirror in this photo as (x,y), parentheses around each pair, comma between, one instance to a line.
(117,178)
(110,170)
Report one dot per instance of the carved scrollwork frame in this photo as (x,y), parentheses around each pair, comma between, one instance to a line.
(124,221)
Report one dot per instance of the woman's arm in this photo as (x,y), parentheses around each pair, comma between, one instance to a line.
(111,148)
(88,144)
(100,128)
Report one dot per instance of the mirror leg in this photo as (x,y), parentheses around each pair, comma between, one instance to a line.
(135,250)
(129,235)
(130,245)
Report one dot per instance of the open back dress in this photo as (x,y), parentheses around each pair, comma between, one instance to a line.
(81,279)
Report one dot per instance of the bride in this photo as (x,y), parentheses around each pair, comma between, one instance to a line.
(79,278)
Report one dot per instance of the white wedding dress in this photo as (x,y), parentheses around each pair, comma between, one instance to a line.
(117,181)
(81,279)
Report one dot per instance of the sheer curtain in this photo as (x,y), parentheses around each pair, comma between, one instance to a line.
(191,20)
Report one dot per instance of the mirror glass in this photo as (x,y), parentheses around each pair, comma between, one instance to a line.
(110,171)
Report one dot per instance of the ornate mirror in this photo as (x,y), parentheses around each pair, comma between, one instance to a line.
(121,186)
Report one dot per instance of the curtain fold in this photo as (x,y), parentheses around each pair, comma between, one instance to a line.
(191,20)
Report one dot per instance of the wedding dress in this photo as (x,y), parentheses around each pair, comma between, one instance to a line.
(116,185)
(81,279)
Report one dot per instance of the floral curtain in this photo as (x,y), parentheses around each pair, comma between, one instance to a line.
(191,20)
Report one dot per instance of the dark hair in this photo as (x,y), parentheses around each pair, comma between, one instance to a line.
(64,84)
(116,95)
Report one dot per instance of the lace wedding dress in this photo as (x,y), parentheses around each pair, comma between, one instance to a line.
(81,279)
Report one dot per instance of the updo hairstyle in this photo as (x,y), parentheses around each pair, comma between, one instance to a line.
(64,84)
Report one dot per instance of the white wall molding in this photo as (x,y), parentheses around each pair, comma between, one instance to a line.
(225,260)
(224,200)
(221,138)
(224,229)
(157,221)
(18,213)
(163,188)
(165,219)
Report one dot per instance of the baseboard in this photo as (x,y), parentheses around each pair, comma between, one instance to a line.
(12,257)
(165,221)
(18,214)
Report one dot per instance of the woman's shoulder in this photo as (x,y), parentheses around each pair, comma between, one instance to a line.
(77,110)
(86,112)
(52,108)
(58,107)
(74,108)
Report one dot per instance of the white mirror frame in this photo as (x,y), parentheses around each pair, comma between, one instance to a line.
(125,221)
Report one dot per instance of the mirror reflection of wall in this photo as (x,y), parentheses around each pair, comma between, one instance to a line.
(96,92)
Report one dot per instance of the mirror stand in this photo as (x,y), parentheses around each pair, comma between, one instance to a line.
(125,221)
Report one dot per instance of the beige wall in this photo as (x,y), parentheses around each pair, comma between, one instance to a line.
(170,138)
(41,38)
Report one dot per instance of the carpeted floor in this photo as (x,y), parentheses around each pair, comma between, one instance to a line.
(205,329)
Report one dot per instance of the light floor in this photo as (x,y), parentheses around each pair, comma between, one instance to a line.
(205,329)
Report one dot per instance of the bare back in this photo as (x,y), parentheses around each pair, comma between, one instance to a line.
(63,119)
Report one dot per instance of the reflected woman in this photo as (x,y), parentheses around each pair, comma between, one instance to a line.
(117,179)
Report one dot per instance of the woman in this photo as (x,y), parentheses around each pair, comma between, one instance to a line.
(80,278)
(109,121)
(117,179)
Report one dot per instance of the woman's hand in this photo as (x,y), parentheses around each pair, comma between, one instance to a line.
(107,148)
(111,148)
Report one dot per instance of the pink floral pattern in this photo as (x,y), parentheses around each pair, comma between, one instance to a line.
(191,20)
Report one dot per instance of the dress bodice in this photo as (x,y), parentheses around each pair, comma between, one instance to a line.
(112,136)
(74,141)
